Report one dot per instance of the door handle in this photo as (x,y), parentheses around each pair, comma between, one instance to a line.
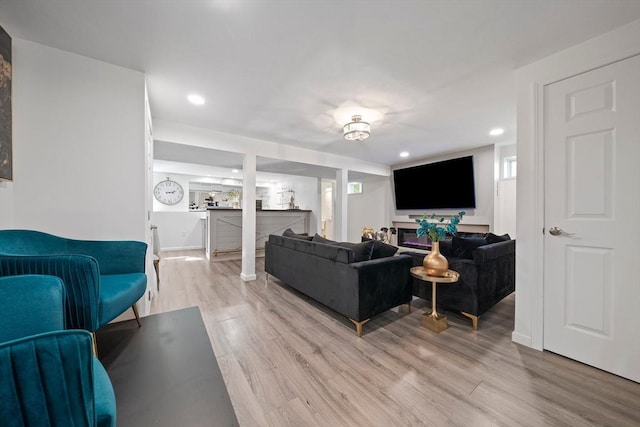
(555,231)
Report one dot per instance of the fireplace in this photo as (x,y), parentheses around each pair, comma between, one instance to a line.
(408,238)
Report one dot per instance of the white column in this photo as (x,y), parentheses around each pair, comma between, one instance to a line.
(342,179)
(249,217)
(318,212)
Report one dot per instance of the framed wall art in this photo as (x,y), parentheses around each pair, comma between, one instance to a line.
(6,160)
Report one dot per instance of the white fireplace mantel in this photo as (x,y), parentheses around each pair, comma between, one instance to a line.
(468,228)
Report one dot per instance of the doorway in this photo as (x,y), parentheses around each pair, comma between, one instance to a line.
(327,208)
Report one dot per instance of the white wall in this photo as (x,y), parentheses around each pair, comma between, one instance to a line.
(371,208)
(79,146)
(306,194)
(483,169)
(179,230)
(6,204)
(183,180)
(505,200)
(530,81)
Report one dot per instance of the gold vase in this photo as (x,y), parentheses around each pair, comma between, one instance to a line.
(435,264)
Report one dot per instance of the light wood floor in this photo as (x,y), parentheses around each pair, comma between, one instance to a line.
(288,361)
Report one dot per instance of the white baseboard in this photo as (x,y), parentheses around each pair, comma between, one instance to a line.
(181,248)
(522,339)
(248,277)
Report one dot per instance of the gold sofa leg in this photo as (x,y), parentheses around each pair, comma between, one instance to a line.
(95,344)
(135,311)
(359,326)
(474,319)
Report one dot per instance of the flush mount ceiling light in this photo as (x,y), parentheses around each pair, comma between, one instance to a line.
(404,154)
(195,99)
(496,132)
(356,130)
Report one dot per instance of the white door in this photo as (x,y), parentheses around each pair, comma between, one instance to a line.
(592,218)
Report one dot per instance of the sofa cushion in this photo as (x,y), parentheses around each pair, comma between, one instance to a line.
(494,251)
(382,250)
(113,293)
(302,236)
(462,247)
(364,251)
(492,238)
(331,252)
(361,251)
(446,247)
(319,239)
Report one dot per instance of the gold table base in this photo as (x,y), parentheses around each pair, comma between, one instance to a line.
(432,320)
(437,323)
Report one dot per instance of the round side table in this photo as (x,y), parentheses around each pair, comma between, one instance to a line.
(432,320)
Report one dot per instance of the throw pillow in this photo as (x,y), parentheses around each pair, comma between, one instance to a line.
(463,247)
(492,238)
(290,233)
(361,251)
(319,239)
(382,250)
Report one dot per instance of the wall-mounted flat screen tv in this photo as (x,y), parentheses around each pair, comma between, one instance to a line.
(441,185)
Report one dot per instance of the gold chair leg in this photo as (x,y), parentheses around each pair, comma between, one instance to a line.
(359,326)
(95,343)
(474,319)
(135,311)
(156,266)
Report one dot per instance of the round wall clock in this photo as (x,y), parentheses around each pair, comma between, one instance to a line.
(168,192)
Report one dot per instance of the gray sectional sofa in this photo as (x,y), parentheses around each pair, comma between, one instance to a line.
(350,280)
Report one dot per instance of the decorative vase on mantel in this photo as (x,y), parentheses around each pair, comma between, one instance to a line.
(435,264)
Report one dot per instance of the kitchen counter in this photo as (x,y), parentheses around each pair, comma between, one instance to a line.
(258,210)
(224,234)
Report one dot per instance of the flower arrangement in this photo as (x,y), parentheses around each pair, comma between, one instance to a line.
(233,194)
(436,232)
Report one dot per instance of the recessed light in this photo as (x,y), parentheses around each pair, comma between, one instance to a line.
(235,170)
(195,99)
(496,132)
(404,154)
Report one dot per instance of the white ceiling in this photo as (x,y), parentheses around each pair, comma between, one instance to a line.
(439,72)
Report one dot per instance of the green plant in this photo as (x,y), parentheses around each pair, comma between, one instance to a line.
(428,226)
(233,194)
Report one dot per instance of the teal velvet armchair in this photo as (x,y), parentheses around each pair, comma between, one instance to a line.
(48,376)
(102,279)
